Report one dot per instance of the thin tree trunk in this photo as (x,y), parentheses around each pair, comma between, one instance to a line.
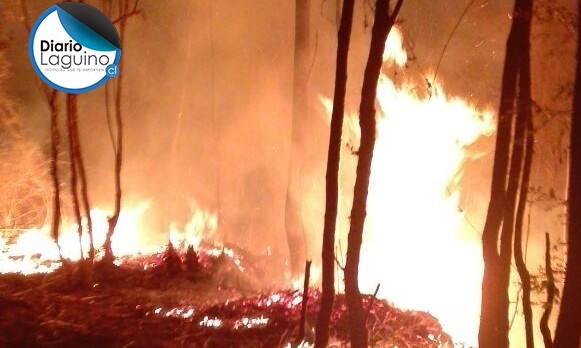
(568,331)
(508,225)
(304,306)
(54,172)
(518,250)
(123,10)
(293,223)
(71,115)
(332,177)
(544,323)
(524,106)
(80,165)
(51,96)
(381,27)
(493,332)
(84,187)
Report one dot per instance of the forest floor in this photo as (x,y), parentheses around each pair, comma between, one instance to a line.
(165,306)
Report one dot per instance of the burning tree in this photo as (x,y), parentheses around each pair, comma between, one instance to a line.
(124,10)
(332,176)
(381,27)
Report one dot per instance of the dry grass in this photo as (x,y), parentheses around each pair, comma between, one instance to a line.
(24,186)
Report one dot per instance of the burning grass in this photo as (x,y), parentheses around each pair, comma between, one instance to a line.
(165,305)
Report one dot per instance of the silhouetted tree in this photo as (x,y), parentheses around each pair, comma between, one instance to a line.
(73,142)
(51,96)
(568,332)
(382,25)
(293,224)
(332,176)
(507,169)
(125,9)
(528,141)
(78,176)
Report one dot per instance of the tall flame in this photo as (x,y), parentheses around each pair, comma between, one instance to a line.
(414,243)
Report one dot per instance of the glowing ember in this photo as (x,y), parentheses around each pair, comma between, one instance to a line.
(414,245)
(211,322)
(249,323)
(269,317)
(183,313)
(303,344)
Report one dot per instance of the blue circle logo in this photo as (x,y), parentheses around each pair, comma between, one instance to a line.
(74,47)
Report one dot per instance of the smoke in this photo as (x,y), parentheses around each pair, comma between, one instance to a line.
(207,104)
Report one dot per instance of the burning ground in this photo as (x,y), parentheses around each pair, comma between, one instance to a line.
(183,299)
(205,292)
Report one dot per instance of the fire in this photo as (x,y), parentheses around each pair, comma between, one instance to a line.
(414,243)
(34,250)
(202,225)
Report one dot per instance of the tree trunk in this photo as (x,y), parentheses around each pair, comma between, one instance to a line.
(84,188)
(524,107)
(293,224)
(332,177)
(124,10)
(568,331)
(544,323)
(54,172)
(381,27)
(71,118)
(493,332)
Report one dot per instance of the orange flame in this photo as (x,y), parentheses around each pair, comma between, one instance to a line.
(414,244)
(34,251)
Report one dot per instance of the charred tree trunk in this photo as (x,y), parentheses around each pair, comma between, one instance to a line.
(293,223)
(332,177)
(125,12)
(524,109)
(568,333)
(51,96)
(544,323)
(382,25)
(494,326)
(54,172)
(78,175)
(71,119)
(84,188)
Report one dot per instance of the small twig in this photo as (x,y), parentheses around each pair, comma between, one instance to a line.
(339,263)
(372,300)
(314,56)
(126,16)
(433,82)
(303,319)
